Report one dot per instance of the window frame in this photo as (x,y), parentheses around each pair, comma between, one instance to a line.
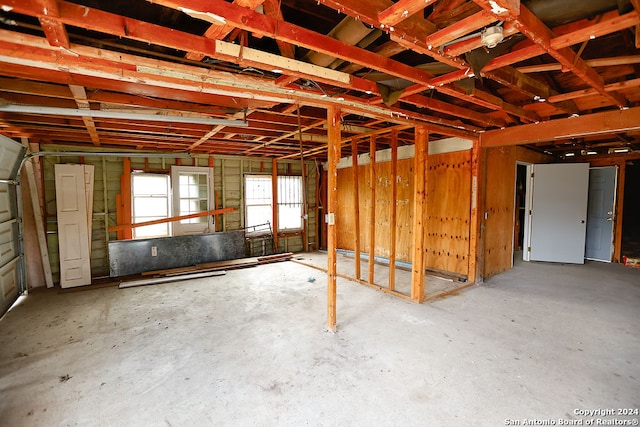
(279,203)
(167,196)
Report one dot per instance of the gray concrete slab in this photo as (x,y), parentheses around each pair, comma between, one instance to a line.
(539,342)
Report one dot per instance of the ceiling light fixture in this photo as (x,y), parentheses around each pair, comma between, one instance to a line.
(491,36)
(99,114)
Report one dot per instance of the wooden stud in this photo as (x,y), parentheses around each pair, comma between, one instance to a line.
(274,203)
(419,203)
(125,194)
(474,220)
(356,205)
(372,207)
(394,210)
(333,134)
(37,213)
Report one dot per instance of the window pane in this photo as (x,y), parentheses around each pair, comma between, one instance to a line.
(258,214)
(150,207)
(289,202)
(289,217)
(150,202)
(156,230)
(258,200)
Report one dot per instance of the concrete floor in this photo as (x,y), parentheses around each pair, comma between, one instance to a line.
(250,348)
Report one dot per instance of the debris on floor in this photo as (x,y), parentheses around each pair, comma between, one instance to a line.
(631,262)
(203,270)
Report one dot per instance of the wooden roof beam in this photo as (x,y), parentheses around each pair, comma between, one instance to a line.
(272,9)
(218,30)
(460,28)
(535,30)
(401,10)
(598,62)
(53,29)
(153,73)
(610,122)
(80,96)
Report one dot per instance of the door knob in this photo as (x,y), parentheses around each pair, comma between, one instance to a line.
(609,219)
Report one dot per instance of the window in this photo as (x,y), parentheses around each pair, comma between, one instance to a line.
(258,196)
(192,194)
(152,199)
(150,202)
(289,202)
(259,201)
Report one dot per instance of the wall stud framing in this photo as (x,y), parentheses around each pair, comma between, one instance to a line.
(372,207)
(419,204)
(356,205)
(333,133)
(394,210)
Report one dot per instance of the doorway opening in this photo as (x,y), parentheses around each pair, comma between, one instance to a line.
(520,202)
(631,211)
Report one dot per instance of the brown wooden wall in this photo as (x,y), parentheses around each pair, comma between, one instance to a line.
(500,167)
(448,210)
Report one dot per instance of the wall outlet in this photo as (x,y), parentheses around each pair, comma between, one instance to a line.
(154,251)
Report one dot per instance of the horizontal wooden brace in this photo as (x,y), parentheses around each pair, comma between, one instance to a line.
(170,219)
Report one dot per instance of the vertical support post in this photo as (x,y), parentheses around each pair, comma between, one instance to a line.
(419,206)
(356,204)
(125,194)
(333,133)
(617,239)
(474,219)
(392,220)
(223,198)
(372,207)
(274,203)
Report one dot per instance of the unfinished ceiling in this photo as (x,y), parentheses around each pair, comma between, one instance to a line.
(254,77)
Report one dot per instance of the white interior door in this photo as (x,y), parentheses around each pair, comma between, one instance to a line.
(11,282)
(192,193)
(73,233)
(600,213)
(558,212)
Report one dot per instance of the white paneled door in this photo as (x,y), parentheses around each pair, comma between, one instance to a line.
(558,212)
(73,223)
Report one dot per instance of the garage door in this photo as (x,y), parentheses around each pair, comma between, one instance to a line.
(11,280)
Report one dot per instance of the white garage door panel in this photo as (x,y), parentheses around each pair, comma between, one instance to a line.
(5,202)
(9,281)
(7,243)
(11,153)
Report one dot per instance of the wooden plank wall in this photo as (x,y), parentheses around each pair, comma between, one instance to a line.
(448,210)
(228,187)
(500,204)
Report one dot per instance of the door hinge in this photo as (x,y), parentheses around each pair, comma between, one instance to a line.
(532,174)
(529,249)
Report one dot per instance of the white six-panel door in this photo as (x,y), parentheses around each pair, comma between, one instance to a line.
(73,230)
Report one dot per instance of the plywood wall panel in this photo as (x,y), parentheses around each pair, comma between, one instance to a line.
(404,206)
(448,212)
